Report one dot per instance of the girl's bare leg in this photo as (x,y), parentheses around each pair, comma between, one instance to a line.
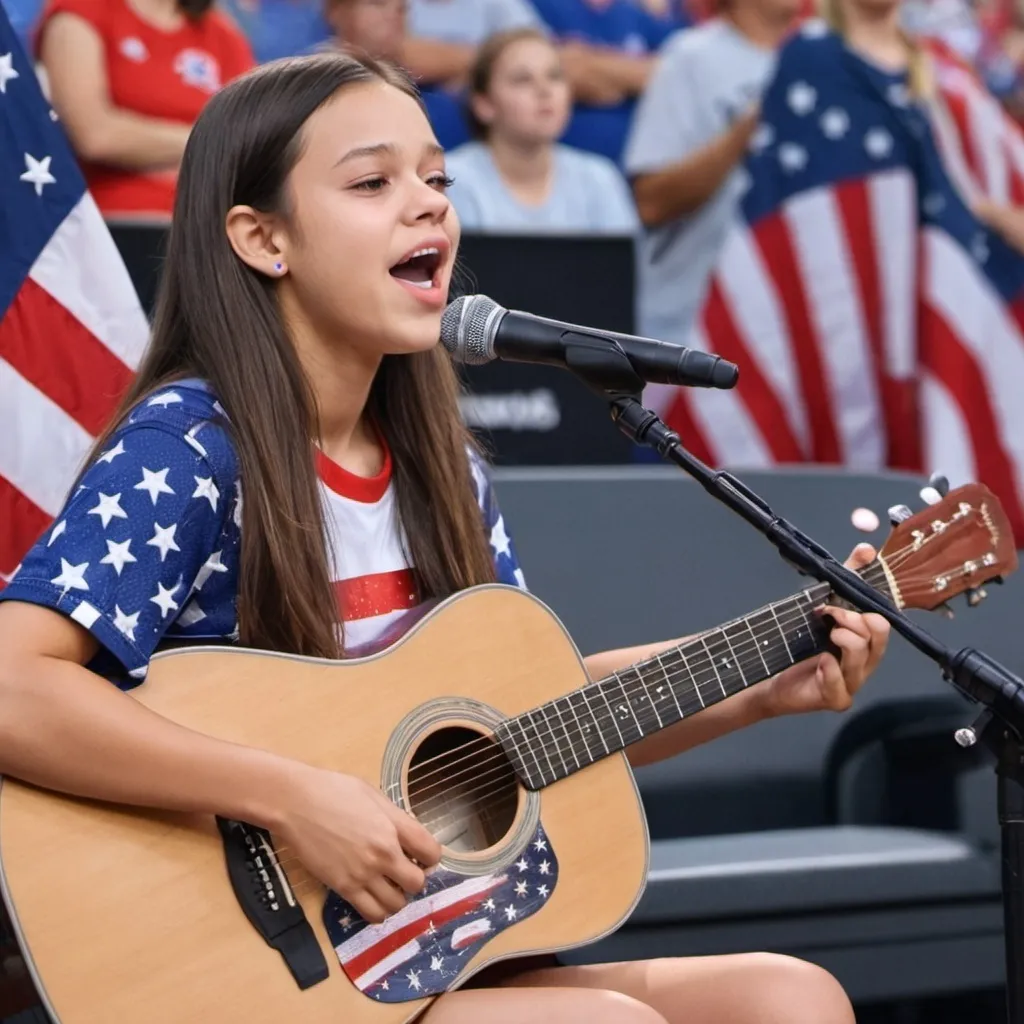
(547,1005)
(746,988)
(754,988)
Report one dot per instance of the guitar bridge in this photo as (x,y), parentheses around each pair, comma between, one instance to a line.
(265,895)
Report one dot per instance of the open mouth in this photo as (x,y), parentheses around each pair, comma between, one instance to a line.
(420,268)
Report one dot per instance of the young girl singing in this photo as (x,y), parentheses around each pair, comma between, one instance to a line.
(290,471)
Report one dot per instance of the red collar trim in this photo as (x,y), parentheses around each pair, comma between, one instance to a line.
(368,489)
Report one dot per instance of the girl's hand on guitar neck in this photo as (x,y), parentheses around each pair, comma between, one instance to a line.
(355,841)
(825,682)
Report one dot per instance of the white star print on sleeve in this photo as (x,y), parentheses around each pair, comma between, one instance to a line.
(506,564)
(143,534)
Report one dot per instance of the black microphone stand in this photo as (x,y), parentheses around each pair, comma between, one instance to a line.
(999,727)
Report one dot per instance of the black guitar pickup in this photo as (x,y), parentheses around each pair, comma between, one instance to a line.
(264,893)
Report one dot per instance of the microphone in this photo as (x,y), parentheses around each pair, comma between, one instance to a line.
(476,330)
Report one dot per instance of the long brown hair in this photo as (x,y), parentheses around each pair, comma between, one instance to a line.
(218,319)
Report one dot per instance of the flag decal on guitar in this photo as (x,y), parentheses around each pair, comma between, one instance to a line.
(420,950)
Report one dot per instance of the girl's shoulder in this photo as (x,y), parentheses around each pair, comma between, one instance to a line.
(189,411)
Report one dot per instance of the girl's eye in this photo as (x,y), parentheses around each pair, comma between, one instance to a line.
(371,184)
(440,182)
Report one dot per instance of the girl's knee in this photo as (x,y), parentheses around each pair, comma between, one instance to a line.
(604,1006)
(795,991)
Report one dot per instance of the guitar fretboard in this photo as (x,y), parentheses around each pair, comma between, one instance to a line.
(556,739)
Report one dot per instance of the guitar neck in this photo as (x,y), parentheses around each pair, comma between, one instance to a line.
(554,740)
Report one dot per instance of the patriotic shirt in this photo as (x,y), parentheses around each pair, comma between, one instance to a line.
(146,551)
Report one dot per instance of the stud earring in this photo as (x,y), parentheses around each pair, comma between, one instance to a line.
(279,267)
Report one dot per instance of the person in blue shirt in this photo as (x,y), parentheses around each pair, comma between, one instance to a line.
(622,37)
(293,427)
(279,28)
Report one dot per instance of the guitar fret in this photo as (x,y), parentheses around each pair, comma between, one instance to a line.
(565,729)
(736,661)
(639,698)
(611,713)
(505,729)
(711,659)
(771,649)
(532,745)
(642,683)
(755,640)
(595,724)
(806,640)
(693,679)
(782,632)
(628,718)
(749,662)
(666,687)
(550,733)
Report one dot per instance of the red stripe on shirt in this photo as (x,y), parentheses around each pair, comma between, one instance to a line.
(363,597)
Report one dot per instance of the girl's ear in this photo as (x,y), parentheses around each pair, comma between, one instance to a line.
(252,236)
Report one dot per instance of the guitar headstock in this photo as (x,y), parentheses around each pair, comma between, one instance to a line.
(952,546)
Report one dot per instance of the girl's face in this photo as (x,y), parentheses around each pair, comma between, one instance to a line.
(370,237)
(528,99)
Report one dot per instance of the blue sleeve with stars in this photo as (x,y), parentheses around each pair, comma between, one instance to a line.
(125,553)
(506,563)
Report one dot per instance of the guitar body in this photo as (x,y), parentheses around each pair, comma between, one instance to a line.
(124,914)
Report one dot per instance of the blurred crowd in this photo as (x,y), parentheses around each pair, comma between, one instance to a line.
(614,116)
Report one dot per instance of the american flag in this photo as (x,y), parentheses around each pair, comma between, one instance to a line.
(423,948)
(72,330)
(875,321)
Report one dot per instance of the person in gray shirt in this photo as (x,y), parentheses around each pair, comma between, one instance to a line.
(516,177)
(685,150)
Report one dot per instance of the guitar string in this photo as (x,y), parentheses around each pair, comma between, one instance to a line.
(674,657)
(480,795)
(670,659)
(574,734)
(800,609)
(746,647)
(600,716)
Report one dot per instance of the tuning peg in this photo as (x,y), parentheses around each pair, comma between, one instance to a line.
(975,596)
(930,495)
(939,483)
(898,513)
(945,611)
(864,519)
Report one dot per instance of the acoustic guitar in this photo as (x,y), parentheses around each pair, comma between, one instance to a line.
(483,724)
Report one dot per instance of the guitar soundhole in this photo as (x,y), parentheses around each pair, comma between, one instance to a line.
(462,788)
